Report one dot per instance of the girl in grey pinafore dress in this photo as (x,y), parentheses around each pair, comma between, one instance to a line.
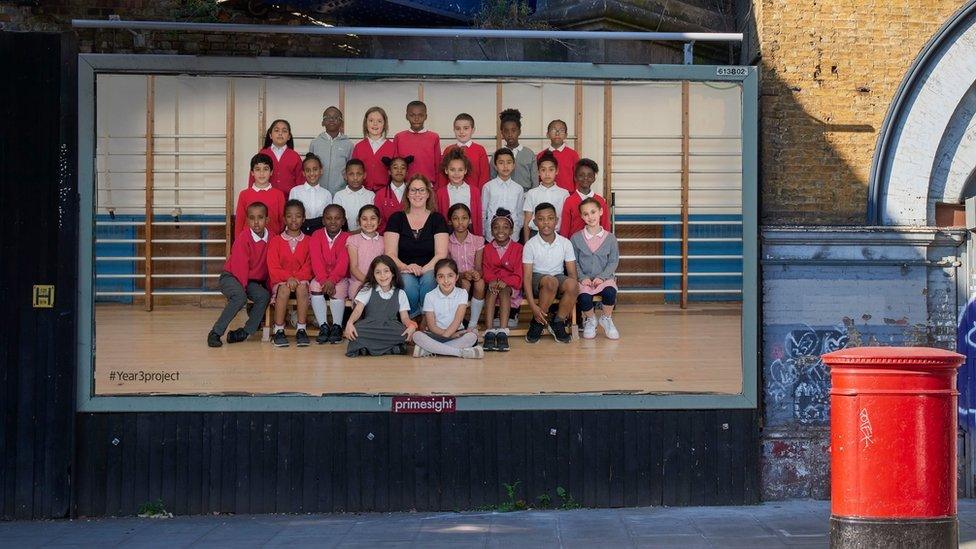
(379,330)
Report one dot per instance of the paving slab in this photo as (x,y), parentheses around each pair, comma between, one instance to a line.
(798,524)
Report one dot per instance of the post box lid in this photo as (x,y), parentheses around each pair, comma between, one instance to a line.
(882,357)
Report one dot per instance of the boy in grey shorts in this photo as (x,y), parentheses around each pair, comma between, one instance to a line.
(549,268)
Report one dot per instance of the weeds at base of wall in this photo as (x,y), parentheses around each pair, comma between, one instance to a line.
(544,501)
(154,510)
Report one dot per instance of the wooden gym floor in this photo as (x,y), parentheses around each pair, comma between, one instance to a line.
(662,350)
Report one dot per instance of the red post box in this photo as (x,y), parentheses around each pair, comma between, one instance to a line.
(893,447)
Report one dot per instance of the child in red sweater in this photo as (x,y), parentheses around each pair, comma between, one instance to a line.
(374,148)
(261,191)
(289,269)
(390,199)
(280,147)
(419,142)
(571,222)
(245,276)
(502,266)
(566,157)
(479,174)
(456,167)
(330,270)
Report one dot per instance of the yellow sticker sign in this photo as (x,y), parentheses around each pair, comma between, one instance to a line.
(43,296)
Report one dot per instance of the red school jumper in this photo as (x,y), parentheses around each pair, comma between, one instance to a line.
(285,173)
(507,268)
(425,147)
(479,174)
(270,197)
(377,174)
(443,199)
(249,260)
(329,263)
(571,222)
(284,263)
(388,204)
(566,160)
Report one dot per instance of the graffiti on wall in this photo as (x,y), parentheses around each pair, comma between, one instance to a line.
(797,382)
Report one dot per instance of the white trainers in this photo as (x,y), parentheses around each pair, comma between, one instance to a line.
(473,352)
(609,328)
(589,327)
(420,352)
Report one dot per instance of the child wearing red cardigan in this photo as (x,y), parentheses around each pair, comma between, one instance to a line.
(245,276)
(420,143)
(289,270)
(456,166)
(373,148)
(571,222)
(501,264)
(566,158)
(479,174)
(260,190)
(330,272)
(391,198)
(287,164)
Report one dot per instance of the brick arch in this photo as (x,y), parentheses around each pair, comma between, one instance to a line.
(926,149)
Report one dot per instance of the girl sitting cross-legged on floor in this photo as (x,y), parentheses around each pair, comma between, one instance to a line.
(444,308)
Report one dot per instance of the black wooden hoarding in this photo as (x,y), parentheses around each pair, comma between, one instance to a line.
(320,462)
(38,246)
(55,463)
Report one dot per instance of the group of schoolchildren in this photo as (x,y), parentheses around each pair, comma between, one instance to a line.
(527,228)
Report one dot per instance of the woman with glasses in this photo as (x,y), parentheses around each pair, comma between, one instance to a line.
(416,238)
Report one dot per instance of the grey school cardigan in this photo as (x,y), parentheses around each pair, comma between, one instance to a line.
(526,171)
(599,264)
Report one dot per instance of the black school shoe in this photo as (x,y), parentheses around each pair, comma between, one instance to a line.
(324,333)
(301,338)
(213,340)
(280,339)
(489,342)
(535,332)
(501,342)
(237,336)
(335,334)
(557,327)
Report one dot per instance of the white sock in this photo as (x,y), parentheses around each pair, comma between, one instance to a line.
(318,307)
(277,327)
(476,306)
(301,326)
(338,308)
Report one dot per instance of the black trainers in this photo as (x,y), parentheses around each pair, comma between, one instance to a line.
(280,339)
(323,336)
(335,334)
(535,332)
(489,342)
(558,330)
(501,342)
(237,336)
(301,338)
(213,340)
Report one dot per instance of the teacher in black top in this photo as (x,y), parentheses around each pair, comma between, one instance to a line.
(416,239)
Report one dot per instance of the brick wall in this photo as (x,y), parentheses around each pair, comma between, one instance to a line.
(830,69)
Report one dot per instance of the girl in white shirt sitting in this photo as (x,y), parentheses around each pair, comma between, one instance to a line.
(444,308)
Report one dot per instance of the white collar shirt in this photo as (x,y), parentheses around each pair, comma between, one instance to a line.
(257,238)
(554,195)
(443,306)
(278,151)
(548,258)
(351,201)
(459,193)
(500,193)
(314,197)
(375,144)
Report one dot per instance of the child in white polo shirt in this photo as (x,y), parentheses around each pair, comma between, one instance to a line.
(444,308)
(549,271)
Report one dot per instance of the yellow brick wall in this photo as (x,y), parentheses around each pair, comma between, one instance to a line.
(829,71)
